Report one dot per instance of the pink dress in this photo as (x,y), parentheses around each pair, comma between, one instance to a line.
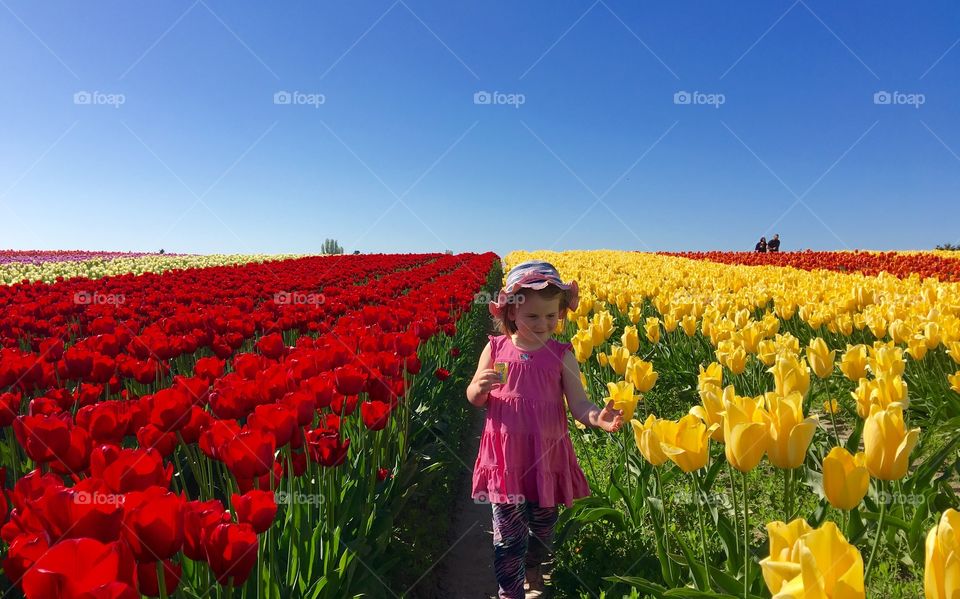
(525,451)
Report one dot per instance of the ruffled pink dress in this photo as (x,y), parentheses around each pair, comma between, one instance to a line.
(525,450)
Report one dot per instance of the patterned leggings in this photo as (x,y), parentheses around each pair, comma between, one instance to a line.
(515,528)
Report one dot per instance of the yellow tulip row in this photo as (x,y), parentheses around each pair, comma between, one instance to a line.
(908,316)
(49,272)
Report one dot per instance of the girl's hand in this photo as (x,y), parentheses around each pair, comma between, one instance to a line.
(485,380)
(610,419)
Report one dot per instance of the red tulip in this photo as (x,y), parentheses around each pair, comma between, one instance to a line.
(376,414)
(231,551)
(256,508)
(442,374)
(349,380)
(271,346)
(82,568)
(199,517)
(43,438)
(153,523)
(126,470)
(250,453)
(326,448)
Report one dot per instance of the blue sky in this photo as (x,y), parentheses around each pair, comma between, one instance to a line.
(386,145)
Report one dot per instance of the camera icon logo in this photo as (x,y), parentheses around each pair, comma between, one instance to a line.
(282,97)
(82,97)
(882,97)
(82,298)
(482,98)
(681,97)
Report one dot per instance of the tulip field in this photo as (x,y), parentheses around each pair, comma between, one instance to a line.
(222,426)
(794,430)
(267,426)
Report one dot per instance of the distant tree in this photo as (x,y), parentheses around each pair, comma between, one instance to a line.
(949,247)
(330,246)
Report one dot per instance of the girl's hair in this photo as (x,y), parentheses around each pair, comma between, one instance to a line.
(507,326)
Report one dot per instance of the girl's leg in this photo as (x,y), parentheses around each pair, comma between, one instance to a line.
(542,522)
(510,532)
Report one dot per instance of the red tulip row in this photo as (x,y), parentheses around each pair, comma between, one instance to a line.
(867,263)
(257,377)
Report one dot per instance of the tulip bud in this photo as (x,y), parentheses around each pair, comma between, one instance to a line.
(845,478)
(887,443)
(941,577)
(820,357)
(630,339)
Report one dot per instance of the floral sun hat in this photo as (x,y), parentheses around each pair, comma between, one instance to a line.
(533,274)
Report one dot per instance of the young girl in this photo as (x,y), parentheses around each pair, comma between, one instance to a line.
(526,465)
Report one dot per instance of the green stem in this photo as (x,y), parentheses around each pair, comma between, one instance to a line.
(666,520)
(736,507)
(746,536)
(703,531)
(876,539)
(161,582)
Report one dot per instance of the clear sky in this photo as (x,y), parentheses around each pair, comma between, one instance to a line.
(618,124)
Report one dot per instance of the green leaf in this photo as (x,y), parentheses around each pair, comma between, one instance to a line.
(639,583)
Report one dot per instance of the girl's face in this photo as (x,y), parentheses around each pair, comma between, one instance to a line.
(536,318)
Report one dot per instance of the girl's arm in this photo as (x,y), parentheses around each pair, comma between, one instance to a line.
(478,391)
(580,406)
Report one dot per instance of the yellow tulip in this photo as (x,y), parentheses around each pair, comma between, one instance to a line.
(817,563)
(641,374)
(790,432)
(711,410)
(831,406)
(899,332)
(941,576)
(670,322)
(767,352)
(618,358)
(635,313)
(652,329)
(602,359)
(623,398)
(596,334)
(687,442)
(648,438)
(689,325)
(712,375)
(853,364)
(931,334)
(732,356)
(746,431)
(583,323)
(820,357)
(953,350)
(845,478)
(886,361)
(887,443)
(954,381)
(630,339)
(917,347)
(880,392)
(582,342)
(782,564)
(790,375)
(604,321)
(752,335)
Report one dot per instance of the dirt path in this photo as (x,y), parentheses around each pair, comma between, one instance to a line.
(468,567)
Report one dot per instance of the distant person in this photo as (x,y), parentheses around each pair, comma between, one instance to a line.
(774,244)
(761,245)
